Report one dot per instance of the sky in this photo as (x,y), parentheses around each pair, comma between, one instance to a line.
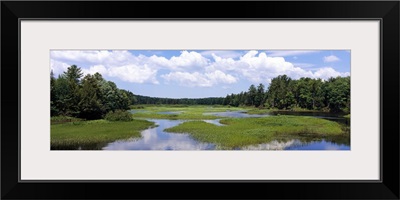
(200,73)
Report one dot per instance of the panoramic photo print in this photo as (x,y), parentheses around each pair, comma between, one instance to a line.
(200,100)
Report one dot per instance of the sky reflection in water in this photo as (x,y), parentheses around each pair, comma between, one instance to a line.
(298,145)
(156,139)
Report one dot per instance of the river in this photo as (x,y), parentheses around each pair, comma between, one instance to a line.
(157,139)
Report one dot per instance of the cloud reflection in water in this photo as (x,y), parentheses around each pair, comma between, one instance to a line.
(157,139)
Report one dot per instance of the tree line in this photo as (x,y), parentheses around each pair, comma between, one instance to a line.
(88,97)
(285,93)
(92,97)
(185,101)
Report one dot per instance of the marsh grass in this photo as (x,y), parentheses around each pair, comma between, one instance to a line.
(94,134)
(73,133)
(185,112)
(260,111)
(240,132)
(272,110)
(64,119)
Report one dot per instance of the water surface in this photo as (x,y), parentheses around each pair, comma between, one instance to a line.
(157,139)
(296,144)
(238,114)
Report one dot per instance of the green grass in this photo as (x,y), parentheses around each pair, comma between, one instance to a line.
(64,119)
(195,112)
(260,111)
(94,134)
(240,132)
(73,133)
(347,116)
(185,112)
(270,110)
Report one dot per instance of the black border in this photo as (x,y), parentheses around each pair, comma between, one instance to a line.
(386,11)
(199,19)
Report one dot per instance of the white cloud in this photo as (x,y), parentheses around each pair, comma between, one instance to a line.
(129,73)
(220,77)
(188,60)
(188,79)
(95,68)
(93,57)
(303,65)
(327,72)
(331,58)
(222,54)
(259,68)
(134,74)
(284,53)
(108,63)
(185,61)
(199,79)
(190,68)
(58,67)
(124,65)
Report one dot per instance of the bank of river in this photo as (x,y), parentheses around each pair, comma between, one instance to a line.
(156,138)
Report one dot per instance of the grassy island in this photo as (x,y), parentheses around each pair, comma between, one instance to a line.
(239,132)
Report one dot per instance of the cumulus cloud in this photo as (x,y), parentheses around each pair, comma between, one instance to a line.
(190,68)
(199,79)
(331,58)
(185,61)
(220,77)
(222,54)
(58,67)
(188,59)
(134,74)
(257,67)
(129,73)
(124,65)
(94,57)
(95,68)
(327,72)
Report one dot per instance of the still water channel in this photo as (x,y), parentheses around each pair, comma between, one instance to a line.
(157,139)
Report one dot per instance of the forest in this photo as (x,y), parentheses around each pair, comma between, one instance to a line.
(88,97)
(185,101)
(285,93)
(92,97)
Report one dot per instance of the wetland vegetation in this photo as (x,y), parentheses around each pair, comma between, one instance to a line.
(94,134)
(242,132)
(91,113)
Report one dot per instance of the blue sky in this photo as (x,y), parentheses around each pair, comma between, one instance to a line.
(201,73)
